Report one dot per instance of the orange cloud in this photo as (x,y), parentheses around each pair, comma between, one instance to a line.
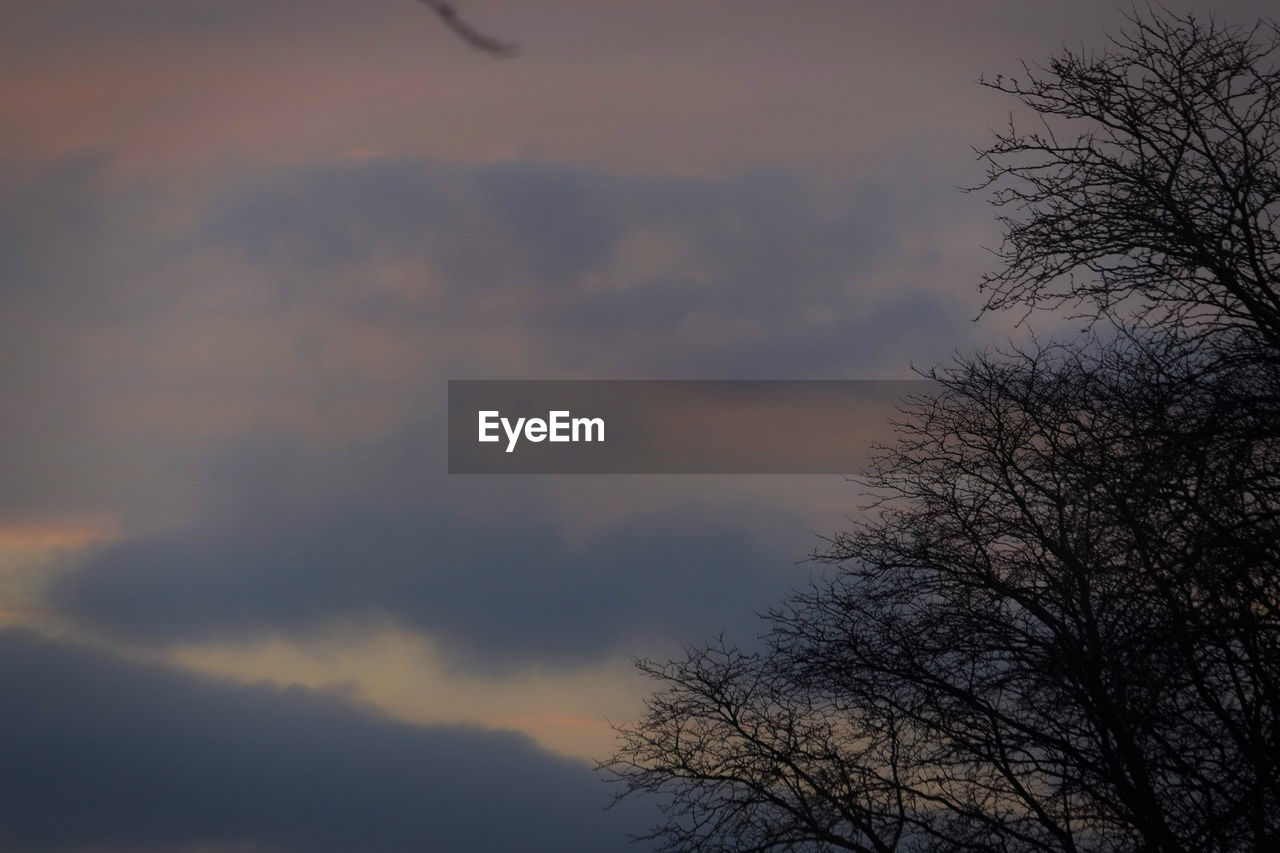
(56,533)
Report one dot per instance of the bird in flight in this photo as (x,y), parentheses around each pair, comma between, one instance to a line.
(449,15)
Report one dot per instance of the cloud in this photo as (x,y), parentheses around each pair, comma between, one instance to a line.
(109,755)
(559,257)
(585,258)
(498,593)
(255,362)
(154,323)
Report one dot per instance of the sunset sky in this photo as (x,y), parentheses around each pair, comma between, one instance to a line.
(243,247)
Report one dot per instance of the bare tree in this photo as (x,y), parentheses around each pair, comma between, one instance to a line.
(1060,632)
(1059,626)
(1165,199)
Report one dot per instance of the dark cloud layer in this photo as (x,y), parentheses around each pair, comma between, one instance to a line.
(549,245)
(569,258)
(499,592)
(102,754)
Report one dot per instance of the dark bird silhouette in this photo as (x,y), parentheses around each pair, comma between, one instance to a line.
(449,15)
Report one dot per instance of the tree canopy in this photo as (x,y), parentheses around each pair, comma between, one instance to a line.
(1058,625)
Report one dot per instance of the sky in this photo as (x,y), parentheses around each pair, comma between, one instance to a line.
(243,247)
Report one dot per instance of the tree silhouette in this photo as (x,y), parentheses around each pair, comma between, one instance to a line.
(1059,626)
